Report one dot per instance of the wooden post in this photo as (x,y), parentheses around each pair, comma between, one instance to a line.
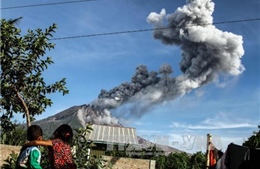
(208,151)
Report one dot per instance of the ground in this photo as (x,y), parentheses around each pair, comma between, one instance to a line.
(5,150)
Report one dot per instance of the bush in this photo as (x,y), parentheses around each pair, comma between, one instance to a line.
(81,151)
(15,137)
(10,161)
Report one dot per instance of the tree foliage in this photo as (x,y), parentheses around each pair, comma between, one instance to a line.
(177,161)
(160,161)
(198,160)
(254,140)
(23,61)
(15,137)
(82,148)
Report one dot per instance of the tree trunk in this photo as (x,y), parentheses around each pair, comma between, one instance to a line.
(26,111)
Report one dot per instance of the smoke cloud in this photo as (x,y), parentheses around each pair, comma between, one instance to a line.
(207,53)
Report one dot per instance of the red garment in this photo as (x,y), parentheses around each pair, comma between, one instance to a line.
(212,158)
(60,155)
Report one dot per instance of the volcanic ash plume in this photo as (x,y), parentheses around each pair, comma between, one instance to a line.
(207,53)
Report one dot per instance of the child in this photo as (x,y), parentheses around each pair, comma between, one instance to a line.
(59,148)
(30,157)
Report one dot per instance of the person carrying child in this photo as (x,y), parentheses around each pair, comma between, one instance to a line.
(60,154)
(30,157)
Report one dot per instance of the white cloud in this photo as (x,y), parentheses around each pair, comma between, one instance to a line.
(220,121)
(149,133)
(139,123)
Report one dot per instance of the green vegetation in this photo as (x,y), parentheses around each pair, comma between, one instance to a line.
(254,140)
(198,160)
(81,149)
(10,161)
(23,61)
(15,137)
(171,161)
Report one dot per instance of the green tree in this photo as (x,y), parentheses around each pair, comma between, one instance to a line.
(15,137)
(254,140)
(160,161)
(177,161)
(23,61)
(198,160)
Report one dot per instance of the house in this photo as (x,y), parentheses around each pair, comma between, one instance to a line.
(104,137)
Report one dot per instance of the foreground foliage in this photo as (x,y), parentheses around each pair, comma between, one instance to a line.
(254,140)
(15,137)
(10,161)
(23,61)
(173,161)
(82,148)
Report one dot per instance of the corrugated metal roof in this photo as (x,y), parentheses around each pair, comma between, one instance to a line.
(110,134)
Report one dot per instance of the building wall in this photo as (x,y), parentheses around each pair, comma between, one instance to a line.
(129,163)
(98,149)
(97,152)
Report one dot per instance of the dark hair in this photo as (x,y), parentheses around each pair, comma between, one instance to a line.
(63,132)
(34,132)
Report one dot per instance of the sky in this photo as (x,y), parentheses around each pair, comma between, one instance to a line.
(207,64)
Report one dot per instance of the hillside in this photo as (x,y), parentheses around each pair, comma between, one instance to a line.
(76,116)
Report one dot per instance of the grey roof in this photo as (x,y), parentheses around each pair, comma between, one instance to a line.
(110,134)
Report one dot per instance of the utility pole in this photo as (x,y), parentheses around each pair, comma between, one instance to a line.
(208,150)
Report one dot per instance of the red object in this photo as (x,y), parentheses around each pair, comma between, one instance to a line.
(60,155)
(212,158)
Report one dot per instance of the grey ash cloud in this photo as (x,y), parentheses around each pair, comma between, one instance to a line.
(207,53)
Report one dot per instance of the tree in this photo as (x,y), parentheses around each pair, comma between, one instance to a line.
(160,161)
(23,60)
(198,160)
(177,161)
(14,137)
(254,140)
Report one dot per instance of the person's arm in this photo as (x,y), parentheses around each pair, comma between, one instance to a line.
(34,160)
(38,143)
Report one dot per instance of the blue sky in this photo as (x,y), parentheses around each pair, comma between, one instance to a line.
(227,108)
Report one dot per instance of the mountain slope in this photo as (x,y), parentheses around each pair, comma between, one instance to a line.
(76,116)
